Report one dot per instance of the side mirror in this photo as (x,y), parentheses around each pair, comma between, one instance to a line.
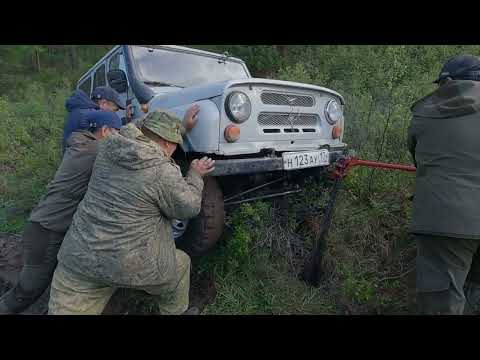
(117,80)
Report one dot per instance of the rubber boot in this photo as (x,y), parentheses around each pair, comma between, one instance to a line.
(192,311)
(4,310)
(472,295)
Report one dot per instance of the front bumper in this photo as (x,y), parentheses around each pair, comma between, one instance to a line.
(257,165)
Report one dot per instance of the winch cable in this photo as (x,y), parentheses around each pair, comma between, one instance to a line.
(312,269)
(263,197)
(254,189)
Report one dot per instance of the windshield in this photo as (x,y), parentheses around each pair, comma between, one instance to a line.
(160,67)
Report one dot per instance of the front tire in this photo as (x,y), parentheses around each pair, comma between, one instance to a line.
(204,231)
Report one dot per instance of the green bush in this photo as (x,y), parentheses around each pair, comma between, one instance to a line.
(30,137)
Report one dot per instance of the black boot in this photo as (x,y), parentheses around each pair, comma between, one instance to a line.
(192,311)
(4,309)
(472,295)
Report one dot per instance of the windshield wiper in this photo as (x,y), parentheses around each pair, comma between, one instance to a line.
(159,83)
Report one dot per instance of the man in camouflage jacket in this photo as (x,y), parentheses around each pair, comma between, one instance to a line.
(121,235)
(444,141)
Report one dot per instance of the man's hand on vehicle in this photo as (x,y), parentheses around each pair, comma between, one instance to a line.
(203,166)
(191,117)
(127,119)
(129,113)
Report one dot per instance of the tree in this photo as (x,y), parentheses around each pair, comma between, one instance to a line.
(36,58)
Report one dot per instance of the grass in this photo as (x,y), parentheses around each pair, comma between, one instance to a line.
(27,164)
(360,267)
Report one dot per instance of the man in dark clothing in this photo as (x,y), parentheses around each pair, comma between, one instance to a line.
(50,220)
(443,140)
(82,110)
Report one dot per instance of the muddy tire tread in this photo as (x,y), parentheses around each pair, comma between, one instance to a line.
(205,230)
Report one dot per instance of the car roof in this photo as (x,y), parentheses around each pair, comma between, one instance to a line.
(166,47)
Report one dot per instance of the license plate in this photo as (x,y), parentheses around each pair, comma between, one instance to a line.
(307,159)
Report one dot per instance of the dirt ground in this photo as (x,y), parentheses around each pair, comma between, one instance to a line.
(131,302)
(124,302)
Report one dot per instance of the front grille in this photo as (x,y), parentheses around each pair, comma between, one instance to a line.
(273,98)
(285,119)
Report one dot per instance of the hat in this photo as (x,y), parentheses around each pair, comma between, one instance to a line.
(107,93)
(166,125)
(462,67)
(101,119)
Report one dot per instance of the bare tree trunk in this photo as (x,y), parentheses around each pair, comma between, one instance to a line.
(282,49)
(36,59)
(73,56)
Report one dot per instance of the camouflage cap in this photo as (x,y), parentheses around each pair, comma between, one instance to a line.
(166,125)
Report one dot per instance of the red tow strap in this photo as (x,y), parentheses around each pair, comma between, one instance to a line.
(345,164)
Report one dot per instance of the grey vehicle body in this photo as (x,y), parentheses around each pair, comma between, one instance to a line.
(285,116)
(207,137)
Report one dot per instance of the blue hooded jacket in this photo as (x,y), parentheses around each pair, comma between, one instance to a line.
(83,112)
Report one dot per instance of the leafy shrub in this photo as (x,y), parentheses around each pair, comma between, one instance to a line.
(30,135)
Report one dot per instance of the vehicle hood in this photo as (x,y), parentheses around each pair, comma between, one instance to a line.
(286,84)
(212,90)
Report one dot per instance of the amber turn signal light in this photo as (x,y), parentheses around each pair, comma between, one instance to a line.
(144,108)
(232,133)
(336,132)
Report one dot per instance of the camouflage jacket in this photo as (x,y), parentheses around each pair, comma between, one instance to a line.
(55,210)
(121,233)
(444,141)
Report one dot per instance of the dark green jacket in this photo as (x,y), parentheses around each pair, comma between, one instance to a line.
(444,139)
(56,209)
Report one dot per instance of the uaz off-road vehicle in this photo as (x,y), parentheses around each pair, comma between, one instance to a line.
(259,131)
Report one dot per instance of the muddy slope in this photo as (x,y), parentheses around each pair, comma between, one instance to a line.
(124,301)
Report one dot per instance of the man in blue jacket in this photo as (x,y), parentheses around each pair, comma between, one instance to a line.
(84,111)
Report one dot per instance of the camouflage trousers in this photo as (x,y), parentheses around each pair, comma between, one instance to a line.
(448,275)
(75,294)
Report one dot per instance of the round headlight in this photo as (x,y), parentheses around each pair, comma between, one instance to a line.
(333,112)
(238,107)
